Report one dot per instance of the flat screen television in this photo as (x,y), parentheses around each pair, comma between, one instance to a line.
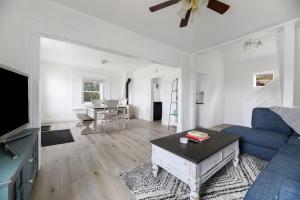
(14,102)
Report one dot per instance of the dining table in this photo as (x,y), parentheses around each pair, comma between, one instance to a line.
(96,109)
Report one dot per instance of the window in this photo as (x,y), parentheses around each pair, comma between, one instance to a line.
(92,90)
(263,78)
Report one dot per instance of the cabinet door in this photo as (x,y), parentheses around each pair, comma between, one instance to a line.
(20,185)
(25,170)
(29,170)
(16,187)
(36,157)
(4,193)
(14,194)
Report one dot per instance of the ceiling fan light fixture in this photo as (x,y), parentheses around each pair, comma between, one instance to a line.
(203,3)
(187,4)
(195,13)
(195,4)
(189,8)
(182,12)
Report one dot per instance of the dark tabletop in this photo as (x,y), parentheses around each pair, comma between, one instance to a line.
(195,152)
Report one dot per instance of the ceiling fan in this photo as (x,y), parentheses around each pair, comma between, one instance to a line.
(190,7)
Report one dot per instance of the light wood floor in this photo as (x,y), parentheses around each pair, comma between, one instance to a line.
(89,168)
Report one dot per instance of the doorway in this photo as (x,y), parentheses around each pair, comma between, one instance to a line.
(156,98)
(202,100)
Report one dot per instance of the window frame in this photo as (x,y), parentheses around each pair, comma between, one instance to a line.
(101,93)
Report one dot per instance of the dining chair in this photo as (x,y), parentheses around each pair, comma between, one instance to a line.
(111,103)
(109,114)
(123,102)
(122,111)
(98,102)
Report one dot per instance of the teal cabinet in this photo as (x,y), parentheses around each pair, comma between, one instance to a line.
(17,176)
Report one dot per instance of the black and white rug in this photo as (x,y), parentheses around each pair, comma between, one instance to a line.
(228,184)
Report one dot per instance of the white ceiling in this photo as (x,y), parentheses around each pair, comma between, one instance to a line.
(71,54)
(244,17)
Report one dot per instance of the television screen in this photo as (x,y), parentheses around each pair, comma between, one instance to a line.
(14,112)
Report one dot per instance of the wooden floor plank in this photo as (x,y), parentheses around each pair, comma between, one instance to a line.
(89,168)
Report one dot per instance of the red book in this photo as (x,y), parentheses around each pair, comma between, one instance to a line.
(196,138)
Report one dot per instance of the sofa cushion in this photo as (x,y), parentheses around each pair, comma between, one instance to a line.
(290,150)
(266,187)
(262,138)
(257,151)
(294,139)
(266,119)
(285,165)
(290,190)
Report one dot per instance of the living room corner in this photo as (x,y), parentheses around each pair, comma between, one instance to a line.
(162,100)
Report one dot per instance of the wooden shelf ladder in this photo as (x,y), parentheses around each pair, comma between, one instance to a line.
(173,112)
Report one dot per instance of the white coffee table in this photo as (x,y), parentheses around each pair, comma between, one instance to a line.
(194,163)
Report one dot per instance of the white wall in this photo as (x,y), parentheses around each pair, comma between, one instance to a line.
(61,89)
(142,91)
(211,64)
(13,37)
(297,70)
(240,95)
(56,92)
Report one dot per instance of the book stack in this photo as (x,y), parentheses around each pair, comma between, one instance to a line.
(197,135)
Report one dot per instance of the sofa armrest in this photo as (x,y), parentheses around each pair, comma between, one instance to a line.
(290,189)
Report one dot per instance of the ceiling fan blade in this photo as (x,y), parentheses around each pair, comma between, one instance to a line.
(218,6)
(184,22)
(163,5)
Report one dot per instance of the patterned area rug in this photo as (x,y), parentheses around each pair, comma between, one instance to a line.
(228,184)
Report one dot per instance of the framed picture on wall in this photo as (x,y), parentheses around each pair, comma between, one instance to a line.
(262,79)
(200,97)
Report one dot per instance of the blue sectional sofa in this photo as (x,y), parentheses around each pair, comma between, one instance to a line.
(270,138)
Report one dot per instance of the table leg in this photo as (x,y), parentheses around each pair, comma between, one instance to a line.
(235,160)
(155,169)
(195,187)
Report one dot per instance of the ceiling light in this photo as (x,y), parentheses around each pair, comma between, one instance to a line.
(252,44)
(195,5)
